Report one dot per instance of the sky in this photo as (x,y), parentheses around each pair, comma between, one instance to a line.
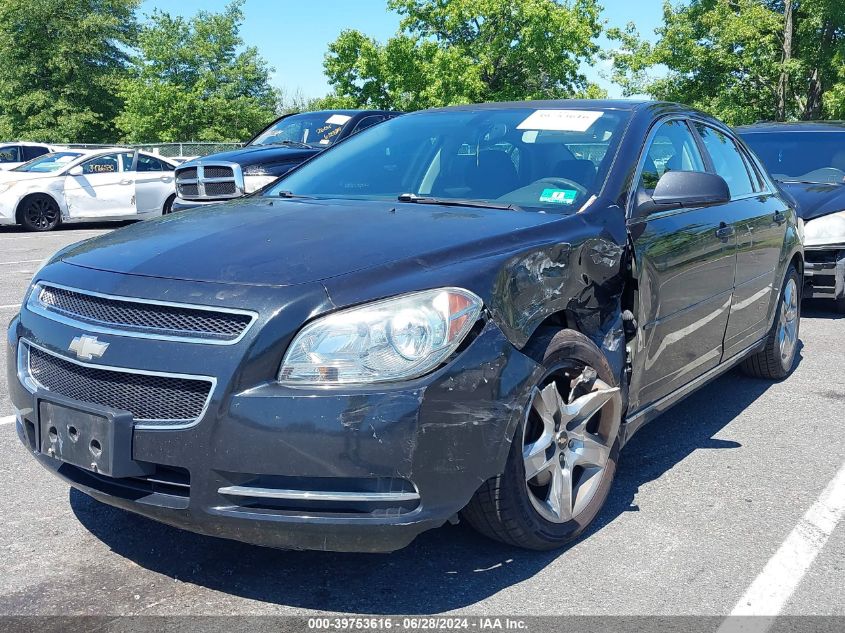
(293,35)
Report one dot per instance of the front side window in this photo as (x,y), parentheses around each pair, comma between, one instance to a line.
(49,162)
(672,148)
(727,160)
(10,154)
(106,164)
(550,160)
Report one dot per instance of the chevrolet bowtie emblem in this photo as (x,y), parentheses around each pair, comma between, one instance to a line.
(88,347)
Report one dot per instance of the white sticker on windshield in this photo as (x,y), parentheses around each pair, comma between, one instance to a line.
(338,119)
(560,120)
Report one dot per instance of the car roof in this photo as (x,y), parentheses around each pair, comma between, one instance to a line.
(584,104)
(26,143)
(792,126)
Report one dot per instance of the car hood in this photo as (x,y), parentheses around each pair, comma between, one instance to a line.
(260,241)
(258,155)
(6,176)
(813,200)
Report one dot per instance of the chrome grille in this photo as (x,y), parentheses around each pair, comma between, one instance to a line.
(163,399)
(210,181)
(142,317)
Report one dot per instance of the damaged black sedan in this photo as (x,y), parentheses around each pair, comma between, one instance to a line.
(461,313)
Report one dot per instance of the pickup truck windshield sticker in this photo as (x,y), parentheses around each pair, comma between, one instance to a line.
(559,196)
(560,120)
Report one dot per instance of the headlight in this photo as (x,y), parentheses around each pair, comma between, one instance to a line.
(390,340)
(5,186)
(254,183)
(826,229)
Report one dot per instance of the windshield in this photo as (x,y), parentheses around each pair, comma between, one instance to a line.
(804,156)
(312,128)
(49,162)
(542,159)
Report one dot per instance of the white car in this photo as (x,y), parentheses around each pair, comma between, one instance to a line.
(17,153)
(80,184)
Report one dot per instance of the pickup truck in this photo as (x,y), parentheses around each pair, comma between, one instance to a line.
(281,146)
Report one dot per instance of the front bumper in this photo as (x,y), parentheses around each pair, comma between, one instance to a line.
(179,204)
(824,272)
(423,447)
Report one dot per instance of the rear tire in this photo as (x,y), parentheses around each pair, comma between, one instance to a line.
(40,213)
(168,205)
(572,452)
(776,359)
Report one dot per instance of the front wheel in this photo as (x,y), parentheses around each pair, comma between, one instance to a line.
(776,359)
(563,457)
(167,209)
(39,213)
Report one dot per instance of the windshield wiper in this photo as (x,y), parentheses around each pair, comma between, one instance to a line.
(290,194)
(456,202)
(292,144)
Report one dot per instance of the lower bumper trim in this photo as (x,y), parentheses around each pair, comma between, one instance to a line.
(316,495)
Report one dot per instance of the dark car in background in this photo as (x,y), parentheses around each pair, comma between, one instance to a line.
(281,146)
(808,161)
(459,312)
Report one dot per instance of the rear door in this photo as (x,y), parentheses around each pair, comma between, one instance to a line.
(759,220)
(105,189)
(685,261)
(153,184)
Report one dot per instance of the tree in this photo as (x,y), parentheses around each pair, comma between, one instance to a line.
(191,81)
(60,64)
(742,60)
(466,51)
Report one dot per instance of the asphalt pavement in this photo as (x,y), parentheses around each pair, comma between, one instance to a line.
(704,505)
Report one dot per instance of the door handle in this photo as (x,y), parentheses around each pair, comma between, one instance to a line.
(125,182)
(166,179)
(724,231)
(779,217)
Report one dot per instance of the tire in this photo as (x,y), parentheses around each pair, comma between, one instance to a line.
(167,209)
(520,511)
(39,212)
(840,305)
(774,361)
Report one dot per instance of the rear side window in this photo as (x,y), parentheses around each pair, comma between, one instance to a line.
(728,161)
(10,154)
(673,148)
(148,163)
(33,151)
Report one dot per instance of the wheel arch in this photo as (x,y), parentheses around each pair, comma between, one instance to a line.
(34,194)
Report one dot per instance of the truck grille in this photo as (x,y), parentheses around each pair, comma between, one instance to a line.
(218,181)
(162,399)
(180,321)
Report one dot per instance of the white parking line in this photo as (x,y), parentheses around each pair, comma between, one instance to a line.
(11,305)
(21,261)
(770,591)
(7,420)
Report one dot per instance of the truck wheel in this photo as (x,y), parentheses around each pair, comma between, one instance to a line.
(776,359)
(39,213)
(563,457)
(840,305)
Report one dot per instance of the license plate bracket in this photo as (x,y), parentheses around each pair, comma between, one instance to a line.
(89,437)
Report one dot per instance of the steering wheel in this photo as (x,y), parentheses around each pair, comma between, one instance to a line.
(563,183)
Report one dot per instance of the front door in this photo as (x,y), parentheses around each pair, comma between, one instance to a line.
(105,189)
(153,184)
(759,219)
(685,260)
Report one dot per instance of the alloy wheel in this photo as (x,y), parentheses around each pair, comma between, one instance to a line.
(788,325)
(569,433)
(42,213)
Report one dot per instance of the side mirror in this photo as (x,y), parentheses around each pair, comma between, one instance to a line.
(75,171)
(689,189)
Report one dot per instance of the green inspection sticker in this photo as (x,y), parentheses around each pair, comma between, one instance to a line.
(558,196)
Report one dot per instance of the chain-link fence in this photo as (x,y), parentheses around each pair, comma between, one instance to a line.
(173,150)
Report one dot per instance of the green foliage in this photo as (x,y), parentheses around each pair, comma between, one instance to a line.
(189,82)
(60,64)
(466,51)
(727,57)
